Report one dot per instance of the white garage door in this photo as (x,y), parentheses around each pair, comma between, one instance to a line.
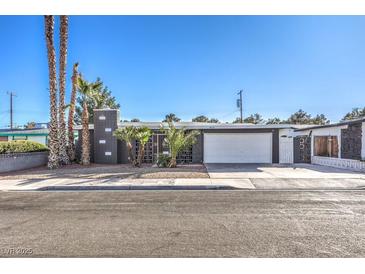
(237,147)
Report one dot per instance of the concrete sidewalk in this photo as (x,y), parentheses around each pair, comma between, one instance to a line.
(182,184)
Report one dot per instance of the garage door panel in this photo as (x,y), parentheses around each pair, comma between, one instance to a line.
(238,148)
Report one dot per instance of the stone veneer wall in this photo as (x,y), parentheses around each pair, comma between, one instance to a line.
(355,165)
(351,142)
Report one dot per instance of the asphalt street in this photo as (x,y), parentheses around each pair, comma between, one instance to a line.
(183,224)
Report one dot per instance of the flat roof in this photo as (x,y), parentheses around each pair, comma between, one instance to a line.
(157,125)
(342,123)
(199,125)
(25,132)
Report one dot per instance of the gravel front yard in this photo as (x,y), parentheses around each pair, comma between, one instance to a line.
(107,171)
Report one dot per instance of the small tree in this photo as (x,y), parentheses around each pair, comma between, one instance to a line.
(354,114)
(127,134)
(29,125)
(254,119)
(171,118)
(237,120)
(177,140)
(320,119)
(201,118)
(213,120)
(300,117)
(130,134)
(273,121)
(204,119)
(142,135)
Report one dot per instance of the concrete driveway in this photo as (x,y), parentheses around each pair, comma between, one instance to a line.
(282,171)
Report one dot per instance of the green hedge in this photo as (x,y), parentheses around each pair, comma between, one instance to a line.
(21,147)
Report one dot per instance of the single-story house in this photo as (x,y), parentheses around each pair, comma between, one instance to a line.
(216,143)
(339,145)
(39,135)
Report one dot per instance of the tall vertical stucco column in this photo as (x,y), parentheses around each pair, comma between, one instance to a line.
(105,144)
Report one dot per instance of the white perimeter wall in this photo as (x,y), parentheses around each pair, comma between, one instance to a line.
(286,146)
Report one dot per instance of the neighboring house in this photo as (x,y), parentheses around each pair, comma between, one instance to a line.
(36,135)
(39,135)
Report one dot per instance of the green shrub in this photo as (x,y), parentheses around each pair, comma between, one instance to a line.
(21,147)
(163,160)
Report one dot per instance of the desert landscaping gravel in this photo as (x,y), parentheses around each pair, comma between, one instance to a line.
(97,171)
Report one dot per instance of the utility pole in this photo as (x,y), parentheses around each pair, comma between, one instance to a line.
(239,103)
(11,94)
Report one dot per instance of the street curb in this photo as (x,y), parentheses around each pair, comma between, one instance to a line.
(133,187)
(182,187)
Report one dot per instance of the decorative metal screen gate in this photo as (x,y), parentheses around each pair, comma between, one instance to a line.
(302,149)
(156,146)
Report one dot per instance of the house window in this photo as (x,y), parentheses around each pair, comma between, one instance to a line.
(326,146)
(16,138)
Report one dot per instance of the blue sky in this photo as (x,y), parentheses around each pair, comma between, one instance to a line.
(193,65)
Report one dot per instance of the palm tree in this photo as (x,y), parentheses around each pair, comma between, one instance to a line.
(127,134)
(177,140)
(142,135)
(105,99)
(53,161)
(87,90)
(71,113)
(63,157)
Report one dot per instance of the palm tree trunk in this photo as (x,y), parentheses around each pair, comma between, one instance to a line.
(63,157)
(173,162)
(130,153)
(71,113)
(140,155)
(85,157)
(53,128)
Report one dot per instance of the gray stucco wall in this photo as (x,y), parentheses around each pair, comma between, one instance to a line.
(275,146)
(122,152)
(105,144)
(197,151)
(20,161)
(351,142)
